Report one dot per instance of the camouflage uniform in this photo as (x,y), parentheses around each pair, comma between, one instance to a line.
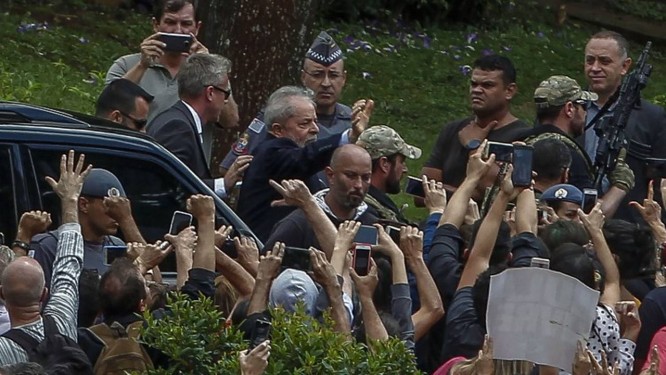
(382,141)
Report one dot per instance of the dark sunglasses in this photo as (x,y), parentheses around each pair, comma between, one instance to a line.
(138,123)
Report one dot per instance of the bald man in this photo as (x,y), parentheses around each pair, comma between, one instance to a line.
(23,280)
(348,175)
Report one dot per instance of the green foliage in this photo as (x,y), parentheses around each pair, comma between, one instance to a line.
(651,10)
(194,337)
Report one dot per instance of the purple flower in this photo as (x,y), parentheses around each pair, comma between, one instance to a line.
(426,42)
(465,69)
(366,75)
(471,38)
(487,52)
(348,39)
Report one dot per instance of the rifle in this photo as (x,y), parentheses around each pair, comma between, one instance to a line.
(610,127)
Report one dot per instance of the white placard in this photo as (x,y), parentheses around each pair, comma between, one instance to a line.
(538,315)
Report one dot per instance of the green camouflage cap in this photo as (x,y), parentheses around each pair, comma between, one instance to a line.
(556,91)
(380,140)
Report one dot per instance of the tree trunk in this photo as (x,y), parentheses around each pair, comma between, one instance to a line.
(265,41)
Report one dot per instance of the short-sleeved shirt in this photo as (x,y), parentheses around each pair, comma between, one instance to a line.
(157,81)
(45,245)
(450,156)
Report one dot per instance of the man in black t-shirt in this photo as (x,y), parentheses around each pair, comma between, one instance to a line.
(492,86)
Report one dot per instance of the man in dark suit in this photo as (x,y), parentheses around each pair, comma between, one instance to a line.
(203,88)
(291,151)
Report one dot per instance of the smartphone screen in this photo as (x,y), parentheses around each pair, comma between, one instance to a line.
(179,221)
(366,234)
(112,253)
(362,259)
(522,165)
(589,200)
(394,233)
(415,187)
(296,258)
(260,333)
(502,151)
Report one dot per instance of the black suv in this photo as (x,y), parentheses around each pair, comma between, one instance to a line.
(33,138)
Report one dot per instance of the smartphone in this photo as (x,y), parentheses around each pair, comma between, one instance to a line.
(502,151)
(296,258)
(229,248)
(589,200)
(540,263)
(179,221)
(542,215)
(394,233)
(260,333)
(175,42)
(415,187)
(522,165)
(112,253)
(367,234)
(361,259)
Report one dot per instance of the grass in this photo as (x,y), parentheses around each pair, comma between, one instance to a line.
(416,76)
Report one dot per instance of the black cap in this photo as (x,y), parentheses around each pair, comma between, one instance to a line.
(101,183)
(324,50)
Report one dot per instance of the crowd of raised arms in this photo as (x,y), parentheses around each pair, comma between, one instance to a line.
(313,179)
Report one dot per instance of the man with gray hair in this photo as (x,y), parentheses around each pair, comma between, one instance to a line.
(203,88)
(291,151)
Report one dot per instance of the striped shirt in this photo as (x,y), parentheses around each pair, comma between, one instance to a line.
(64,301)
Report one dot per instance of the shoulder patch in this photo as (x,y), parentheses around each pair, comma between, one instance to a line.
(256,125)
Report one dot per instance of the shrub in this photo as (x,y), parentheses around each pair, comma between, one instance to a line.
(193,334)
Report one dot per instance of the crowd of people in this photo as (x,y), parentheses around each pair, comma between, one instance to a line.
(307,176)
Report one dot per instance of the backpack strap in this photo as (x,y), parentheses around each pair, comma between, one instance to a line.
(21,338)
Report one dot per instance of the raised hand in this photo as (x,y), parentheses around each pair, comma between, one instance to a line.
(68,187)
(236,171)
(197,46)
(361,113)
(33,223)
(322,271)
(366,284)
(594,220)
(269,264)
(118,208)
(435,195)
(254,362)
(150,255)
(649,210)
(411,242)
(346,233)
(582,364)
(483,363)
(151,50)
(294,193)
(476,166)
(630,322)
(201,206)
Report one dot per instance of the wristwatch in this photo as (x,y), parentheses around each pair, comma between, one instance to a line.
(472,145)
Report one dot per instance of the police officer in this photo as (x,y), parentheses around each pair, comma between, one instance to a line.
(388,152)
(565,200)
(323,73)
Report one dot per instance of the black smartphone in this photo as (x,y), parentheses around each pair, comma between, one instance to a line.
(522,165)
(361,259)
(367,234)
(175,42)
(260,333)
(179,221)
(296,258)
(589,200)
(229,248)
(394,233)
(502,151)
(415,187)
(112,253)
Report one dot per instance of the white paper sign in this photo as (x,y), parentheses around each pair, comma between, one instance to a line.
(538,315)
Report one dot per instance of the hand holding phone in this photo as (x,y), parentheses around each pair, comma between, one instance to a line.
(296,258)
(503,151)
(414,187)
(361,262)
(522,165)
(589,200)
(176,42)
(367,234)
(260,332)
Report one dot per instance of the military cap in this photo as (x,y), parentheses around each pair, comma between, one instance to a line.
(324,50)
(381,141)
(100,183)
(564,193)
(557,90)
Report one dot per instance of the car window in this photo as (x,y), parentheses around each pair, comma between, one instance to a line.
(154,192)
(8,219)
